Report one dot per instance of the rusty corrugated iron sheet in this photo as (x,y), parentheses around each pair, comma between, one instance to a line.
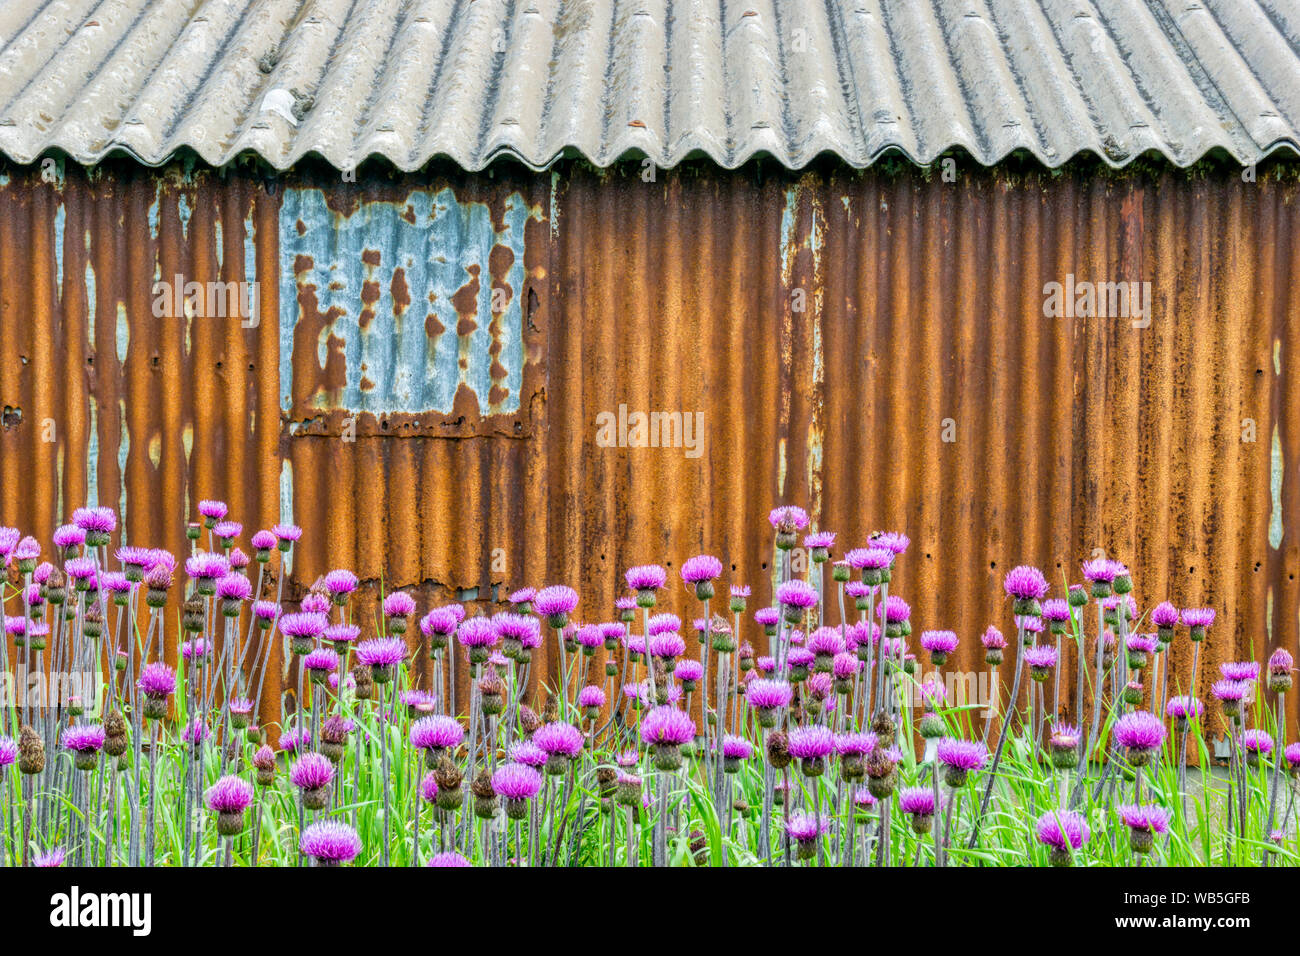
(410,80)
(831,330)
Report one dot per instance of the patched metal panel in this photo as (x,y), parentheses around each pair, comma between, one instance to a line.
(405,303)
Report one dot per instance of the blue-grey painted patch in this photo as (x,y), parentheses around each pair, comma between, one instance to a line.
(393,363)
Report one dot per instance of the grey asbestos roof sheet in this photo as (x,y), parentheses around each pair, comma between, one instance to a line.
(472,79)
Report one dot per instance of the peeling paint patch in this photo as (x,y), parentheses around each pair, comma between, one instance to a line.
(60,227)
(123,333)
(286,507)
(1275,488)
(404,303)
(92,455)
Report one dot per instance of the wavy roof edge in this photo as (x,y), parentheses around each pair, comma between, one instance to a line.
(1285,151)
(413,80)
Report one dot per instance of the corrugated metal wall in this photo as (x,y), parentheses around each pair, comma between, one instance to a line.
(831,327)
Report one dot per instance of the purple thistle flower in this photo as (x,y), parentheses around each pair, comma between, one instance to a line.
(399,604)
(806,830)
(875,558)
(1228,690)
(591,697)
(9,538)
(799,656)
(667,646)
(917,801)
(8,752)
(1056,610)
(943,642)
(522,596)
(230,794)
(1099,570)
(790,517)
(1240,671)
(861,634)
(1062,830)
(313,602)
(214,510)
(1257,743)
(702,567)
(825,642)
(196,732)
(1149,818)
(287,533)
(643,577)
(227,530)
(736,748)
(205,565)
(1292,754)
(306,624)
(1140,732)
(767,616)
(812,742)
(263,540)
(1281,662)
(382,651)
(321,661)
(1142,643)
(157,680)
(516,781)
(114,582)
(1201,617)
(688,669)
(845,665)
(83,738)
(961,755)
(895,541)
(528,753)
(1025,583)
(99,520)
(342,633)
(667,726)
(292,741)
(993,640)
(340,583)
(53,859)
(796,594)
(590,637)
(1164,615)
(894,610)
(663,623)
(1065,737)
(819,540)
(449,859)
(79,569)
(557,739)
(312,771)
(555,600)
(443,621)
(1040,656)
(768,694)
(1184,707)
(854,744)
(437,733)
(65,537)
(330,843)
(478,632)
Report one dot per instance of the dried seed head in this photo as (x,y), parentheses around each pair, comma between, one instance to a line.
(448,775)
(778,750)
(31,751)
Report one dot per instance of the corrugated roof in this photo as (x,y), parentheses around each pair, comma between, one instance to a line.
(472,79)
